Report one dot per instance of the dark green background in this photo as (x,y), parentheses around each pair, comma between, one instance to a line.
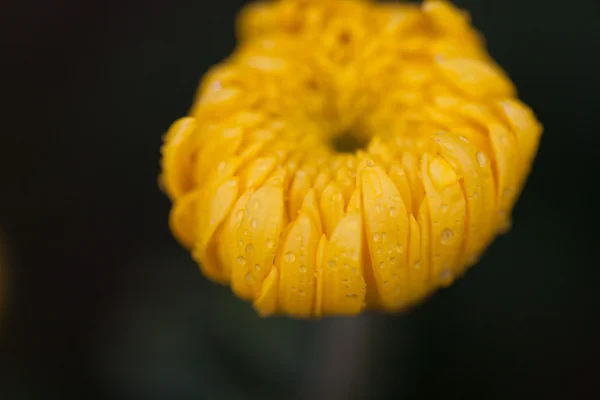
(106,305)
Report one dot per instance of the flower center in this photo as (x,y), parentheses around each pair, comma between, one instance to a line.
(348,142)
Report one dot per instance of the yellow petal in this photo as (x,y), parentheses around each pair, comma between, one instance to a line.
(219,205)
(448,211)
(418,277)
(319,276)
(331,206)
(301,184)
(177,155)
(257,238)
(423,268)
(523,122)
(266,300)
(257,171)
(297,263)
(478,188)
(183,219)
(386,222)
(400,179)
(509,167)
(226,244)
(343,283)
(476,78)
(411,166)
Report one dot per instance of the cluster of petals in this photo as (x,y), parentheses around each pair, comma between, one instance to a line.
(268,205)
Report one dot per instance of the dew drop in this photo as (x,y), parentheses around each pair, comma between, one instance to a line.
(392,260)
(331,263)
(240,260)
(370,163)
(376,237)
(417,265)
(256,204)
(257,267)
(378,208)
(352,295)
(249,248)
(447,236)
(248,277)
(383,236)
(464,139)
(270,244)
(481,159)
(240,214)
(393,211)
(476,195)
(290,257)
(449,146)
(444,207)
(400,249)
(382,265)
(445,275)
(302,269)
(379,250)
(345,280)
(254,223)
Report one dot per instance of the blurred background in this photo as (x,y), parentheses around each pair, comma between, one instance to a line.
(99,301)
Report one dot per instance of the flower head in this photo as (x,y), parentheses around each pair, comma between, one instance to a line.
(267,203)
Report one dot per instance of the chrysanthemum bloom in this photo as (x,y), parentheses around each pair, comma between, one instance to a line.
(267,201)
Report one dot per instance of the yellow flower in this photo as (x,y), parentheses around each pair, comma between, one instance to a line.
(267,203)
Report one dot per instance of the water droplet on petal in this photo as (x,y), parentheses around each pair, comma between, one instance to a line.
(249,248)
(381,265)
(392,260)
(376,237)
(331,263)
(445,275)
(447,236)
(393,211)
(248,277)
(290,257)
(417,265)
(370,163)
(302,269)
(270,243)
(240,214)
(464,139)
(240,260)
(254,223)
(257,267)
(481,159)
